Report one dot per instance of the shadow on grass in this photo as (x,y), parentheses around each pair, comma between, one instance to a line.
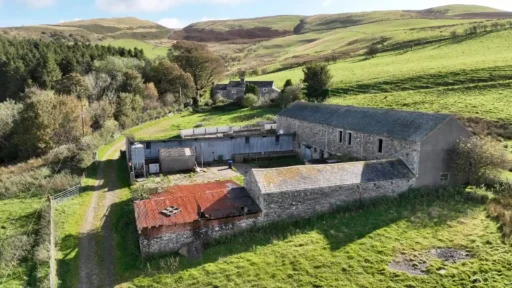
(422,208)
(432,81)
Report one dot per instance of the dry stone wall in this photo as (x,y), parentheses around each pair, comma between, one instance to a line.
(364,146)
(306,203)
(163,240)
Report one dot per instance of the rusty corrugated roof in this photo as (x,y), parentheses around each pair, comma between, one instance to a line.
(216,200)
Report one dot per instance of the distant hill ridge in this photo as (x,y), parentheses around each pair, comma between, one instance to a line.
(239,30)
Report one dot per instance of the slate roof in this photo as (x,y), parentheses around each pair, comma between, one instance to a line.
(176,152)
(220,87)
(217,200)
(405,125)
(329,175)
(259,84)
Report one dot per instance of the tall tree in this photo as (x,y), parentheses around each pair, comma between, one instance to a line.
(195,59)
(72,84)
(170,78)
(47,121)
(317,78)
(48,72)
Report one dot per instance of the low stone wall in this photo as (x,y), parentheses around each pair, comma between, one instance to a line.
(306,203)
(169,239)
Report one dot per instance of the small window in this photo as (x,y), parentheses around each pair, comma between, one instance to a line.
(349,138)
(315,150)
(247,140)
(278,138)
(445,177)
(381,145)
(340,136)
(264,89)
(148,145)
(233,91)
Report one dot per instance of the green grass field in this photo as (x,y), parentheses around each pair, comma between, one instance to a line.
(233,115)
(469,77)
(351,249)
(18,221)
(150,50)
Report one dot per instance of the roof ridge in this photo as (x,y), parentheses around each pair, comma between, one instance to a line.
(367,108)
(333,164)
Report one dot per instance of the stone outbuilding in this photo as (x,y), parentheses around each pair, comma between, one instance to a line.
(421,140)
(188,214)
(235,89)
(303,191)
(178,159)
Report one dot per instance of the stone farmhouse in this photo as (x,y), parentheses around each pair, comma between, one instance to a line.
(397,150)
(236,89)
(420,140)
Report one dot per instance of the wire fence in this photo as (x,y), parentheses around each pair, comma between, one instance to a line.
(54,201)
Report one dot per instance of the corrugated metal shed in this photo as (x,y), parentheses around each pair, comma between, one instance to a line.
(209,149)
(330,175)
(217,200)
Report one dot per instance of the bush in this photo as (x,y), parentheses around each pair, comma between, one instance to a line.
(249,100)
(372,51)
(251,89)
(476,160)
(289,95)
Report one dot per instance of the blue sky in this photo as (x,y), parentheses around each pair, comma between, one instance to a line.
(178,13)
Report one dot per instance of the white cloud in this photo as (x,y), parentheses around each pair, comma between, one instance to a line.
(327,3)
(76,19)
(212,19)
(37,3)
(172,23)
(119,6)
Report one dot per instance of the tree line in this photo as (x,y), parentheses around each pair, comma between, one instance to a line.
(79,95)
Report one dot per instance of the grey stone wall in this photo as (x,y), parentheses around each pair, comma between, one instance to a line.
(364,146)
(435,153)
(306,203)
(276,206)
(163,240)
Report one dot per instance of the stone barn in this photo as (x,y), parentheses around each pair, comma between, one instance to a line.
(303,191)
(421,140)
(177,159)
(187,214)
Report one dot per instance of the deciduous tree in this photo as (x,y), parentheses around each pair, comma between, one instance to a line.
(195,59)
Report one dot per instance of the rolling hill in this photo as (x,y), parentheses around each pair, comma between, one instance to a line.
(94,30)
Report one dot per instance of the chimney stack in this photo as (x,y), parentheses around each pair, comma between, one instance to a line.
(242,79)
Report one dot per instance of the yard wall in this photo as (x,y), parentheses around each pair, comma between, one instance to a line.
(169,239)
(295,203)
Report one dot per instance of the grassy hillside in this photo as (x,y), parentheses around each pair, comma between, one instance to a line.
(150,50)
(463,9)
(127,22)
(283,22)
(353,250)
(93,30)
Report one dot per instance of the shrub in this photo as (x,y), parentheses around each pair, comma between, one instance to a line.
(290,95)
(251,89)
(249,100)
(372,51)
(476,160)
